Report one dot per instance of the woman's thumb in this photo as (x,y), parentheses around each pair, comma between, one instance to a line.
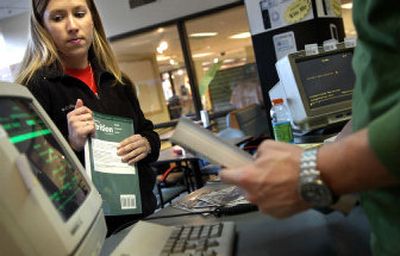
(79,103)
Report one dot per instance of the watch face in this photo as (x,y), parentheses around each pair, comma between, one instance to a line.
(317,194)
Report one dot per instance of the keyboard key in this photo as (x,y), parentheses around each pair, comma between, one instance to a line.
(215,231)
(204,240)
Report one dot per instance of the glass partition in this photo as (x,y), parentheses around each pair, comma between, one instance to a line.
(154,62)
(224,62)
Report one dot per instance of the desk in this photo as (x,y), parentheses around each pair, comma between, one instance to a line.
(168,156)
(309,233)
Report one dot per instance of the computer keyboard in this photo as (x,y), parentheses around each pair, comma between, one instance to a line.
(211,239)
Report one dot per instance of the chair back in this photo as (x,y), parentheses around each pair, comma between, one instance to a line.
(251,120)
(230,133)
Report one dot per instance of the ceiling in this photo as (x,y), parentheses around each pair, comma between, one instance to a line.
(10,8)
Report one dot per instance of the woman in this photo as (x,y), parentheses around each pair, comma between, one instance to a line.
(70,69)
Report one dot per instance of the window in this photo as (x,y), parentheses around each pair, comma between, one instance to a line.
(154,62)
(223,57)
(347,16)
(7,66)
(223,64)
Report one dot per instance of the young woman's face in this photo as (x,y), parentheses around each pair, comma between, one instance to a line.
(70,24)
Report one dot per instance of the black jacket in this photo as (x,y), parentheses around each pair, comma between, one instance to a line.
(58,92)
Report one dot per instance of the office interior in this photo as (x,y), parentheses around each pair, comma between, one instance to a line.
(171,78)
(185,57)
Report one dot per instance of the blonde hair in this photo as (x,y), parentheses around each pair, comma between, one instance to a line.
(42,52)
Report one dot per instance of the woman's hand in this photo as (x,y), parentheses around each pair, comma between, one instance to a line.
(133,149)
(80,125)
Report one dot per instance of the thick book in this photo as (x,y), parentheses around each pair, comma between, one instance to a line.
(202,141)
(117,182)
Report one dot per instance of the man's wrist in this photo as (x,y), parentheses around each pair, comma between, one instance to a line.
(312,188)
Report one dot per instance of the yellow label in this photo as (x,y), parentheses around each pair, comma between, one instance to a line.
(336,8)
(297,10)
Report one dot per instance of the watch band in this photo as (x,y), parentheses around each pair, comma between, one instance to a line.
(308,164)
(311,187)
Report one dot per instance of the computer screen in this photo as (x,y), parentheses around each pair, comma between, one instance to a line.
(48,203)
(317,88)
(62,181)
(328,79)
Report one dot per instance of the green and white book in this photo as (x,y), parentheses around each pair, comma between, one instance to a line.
(117,182)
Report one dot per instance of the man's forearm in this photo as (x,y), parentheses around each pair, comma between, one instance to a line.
(350,165)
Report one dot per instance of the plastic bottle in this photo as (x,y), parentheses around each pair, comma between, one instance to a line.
(280,117)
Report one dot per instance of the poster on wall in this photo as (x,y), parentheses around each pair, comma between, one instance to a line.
(137,3)
(265,15)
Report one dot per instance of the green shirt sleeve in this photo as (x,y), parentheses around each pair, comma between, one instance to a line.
(384,138)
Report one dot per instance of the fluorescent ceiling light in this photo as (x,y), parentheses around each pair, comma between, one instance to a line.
(347,6)
(203,54)
(241,35)
(162,58)
(162,47)
(229,60)
(203,34)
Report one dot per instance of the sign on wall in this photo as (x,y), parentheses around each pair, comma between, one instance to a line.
(266,15)
(136,3)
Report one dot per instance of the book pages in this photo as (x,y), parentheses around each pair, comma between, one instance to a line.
(200,140)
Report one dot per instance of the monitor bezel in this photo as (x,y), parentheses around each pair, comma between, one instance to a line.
(336,107)
(72,231)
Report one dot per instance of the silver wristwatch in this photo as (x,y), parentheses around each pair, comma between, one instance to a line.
(311,187)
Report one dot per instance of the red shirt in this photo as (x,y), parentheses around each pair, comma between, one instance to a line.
(85,75)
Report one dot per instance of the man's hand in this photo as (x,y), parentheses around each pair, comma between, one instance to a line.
(80,125)
(272,180)
(133,149)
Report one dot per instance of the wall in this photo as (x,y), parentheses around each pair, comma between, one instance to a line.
(145,75)
(14,31)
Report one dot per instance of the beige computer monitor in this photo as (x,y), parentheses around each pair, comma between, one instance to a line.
(317,88)
(48,206)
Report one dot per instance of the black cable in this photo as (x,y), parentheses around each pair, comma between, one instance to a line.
(177,215)
(217,212)
(123,226)
(235,209)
